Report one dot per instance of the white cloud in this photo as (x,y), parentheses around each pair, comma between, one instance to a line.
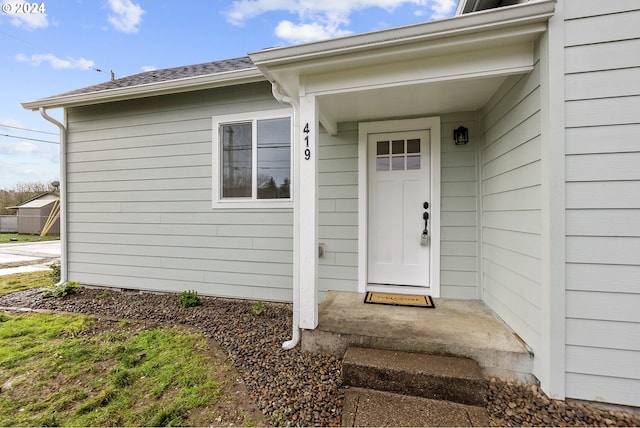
(19,147)
(35,153)
(126,16)
(10,122)
(55,62)
(305,33)
(442,8)
(25,171)
(23,16)
(23,160)
(324,19)
(149,68)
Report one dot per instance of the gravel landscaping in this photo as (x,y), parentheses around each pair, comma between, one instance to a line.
(292,387)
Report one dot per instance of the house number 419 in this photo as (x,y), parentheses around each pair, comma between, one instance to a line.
(307,150)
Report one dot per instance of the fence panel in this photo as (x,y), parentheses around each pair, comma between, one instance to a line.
(8,224)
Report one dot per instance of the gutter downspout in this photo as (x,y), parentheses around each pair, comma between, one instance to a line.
(63,194)
(295,335)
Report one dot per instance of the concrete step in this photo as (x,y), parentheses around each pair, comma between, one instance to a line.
(368,408)
(435,377)
(464,328)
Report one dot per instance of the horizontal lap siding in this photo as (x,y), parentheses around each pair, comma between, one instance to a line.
(338,209)
(459,213)
(139,201)
(511,216)
(603,200)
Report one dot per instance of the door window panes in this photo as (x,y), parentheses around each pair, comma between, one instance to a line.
(397,163)
(404,155)
(382,164)
(413,146)
(382,148)
(397,147)
(413,162)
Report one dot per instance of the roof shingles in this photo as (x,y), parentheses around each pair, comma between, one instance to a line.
(167,74)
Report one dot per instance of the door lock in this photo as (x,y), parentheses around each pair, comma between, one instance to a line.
(424,239)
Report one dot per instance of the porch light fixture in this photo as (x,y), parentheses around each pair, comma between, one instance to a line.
(460,136)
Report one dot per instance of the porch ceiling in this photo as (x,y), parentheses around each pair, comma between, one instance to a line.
(435,67)
(401,101)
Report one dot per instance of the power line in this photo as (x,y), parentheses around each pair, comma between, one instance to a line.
(30,139)
(18,38)
(45,49)
(27,129)
(113,76)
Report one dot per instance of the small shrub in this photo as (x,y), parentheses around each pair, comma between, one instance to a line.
(258,308)
(61,290)
(189,298)
(103,295)
(55,272)
(4,317)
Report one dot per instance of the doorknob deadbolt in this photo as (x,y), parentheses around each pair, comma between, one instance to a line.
(424,239)
(425,205)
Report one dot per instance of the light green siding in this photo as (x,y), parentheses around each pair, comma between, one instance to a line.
(602,105)
(338,209)
(141,216)
(511,204)
(459,209)
(140,201)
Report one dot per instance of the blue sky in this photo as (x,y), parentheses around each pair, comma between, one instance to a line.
(53,46)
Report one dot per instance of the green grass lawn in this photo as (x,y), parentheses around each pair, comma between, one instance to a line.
(75,370)
(6,238)
(23,281)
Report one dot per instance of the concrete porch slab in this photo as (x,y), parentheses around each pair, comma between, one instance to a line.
(465,328)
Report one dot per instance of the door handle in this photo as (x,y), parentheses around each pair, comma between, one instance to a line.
(424,239)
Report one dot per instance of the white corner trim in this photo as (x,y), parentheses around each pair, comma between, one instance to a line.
(553,174)
(307,211)
(364,129)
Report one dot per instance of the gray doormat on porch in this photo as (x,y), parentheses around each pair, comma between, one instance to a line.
(421,301)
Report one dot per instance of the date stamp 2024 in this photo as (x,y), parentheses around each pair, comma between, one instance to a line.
(19,8)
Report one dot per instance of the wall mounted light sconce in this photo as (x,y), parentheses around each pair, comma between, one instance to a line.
(460,136)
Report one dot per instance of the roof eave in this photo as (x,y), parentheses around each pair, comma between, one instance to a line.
(229,78)
(458,25)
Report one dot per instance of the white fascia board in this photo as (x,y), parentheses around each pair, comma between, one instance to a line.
(236,77)
(468,24)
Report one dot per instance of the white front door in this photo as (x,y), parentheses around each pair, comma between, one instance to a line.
(399,185)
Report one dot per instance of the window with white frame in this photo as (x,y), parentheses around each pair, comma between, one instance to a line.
(252,159)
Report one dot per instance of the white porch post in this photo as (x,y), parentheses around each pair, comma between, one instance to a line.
(307,256)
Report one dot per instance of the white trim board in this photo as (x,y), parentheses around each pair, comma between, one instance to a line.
(364,129)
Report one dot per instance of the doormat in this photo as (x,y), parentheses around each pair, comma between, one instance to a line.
(375,297)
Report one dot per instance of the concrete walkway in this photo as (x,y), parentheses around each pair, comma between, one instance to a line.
(27,257)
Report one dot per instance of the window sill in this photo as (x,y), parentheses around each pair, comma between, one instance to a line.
(253,204)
